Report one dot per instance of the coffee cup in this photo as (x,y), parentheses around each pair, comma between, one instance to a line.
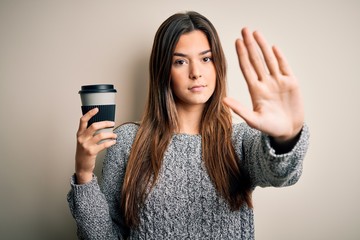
(101,96)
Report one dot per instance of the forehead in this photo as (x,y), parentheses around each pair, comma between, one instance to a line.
(194,41)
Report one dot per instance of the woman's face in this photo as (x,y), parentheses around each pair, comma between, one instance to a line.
(193,76)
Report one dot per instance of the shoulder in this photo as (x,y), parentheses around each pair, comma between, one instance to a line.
(242,129)
(126,134)
(127,129)
(243,134)
(238,128)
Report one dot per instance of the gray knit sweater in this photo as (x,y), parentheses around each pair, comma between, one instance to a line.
(184,203)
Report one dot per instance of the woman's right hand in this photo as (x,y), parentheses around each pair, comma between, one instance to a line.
(88,145)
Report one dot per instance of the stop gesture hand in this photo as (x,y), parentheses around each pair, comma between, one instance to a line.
(275,94)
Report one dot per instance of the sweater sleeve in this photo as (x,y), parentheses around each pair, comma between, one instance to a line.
(96,207)
(265,167)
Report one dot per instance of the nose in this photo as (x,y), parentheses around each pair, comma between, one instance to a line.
(195,72)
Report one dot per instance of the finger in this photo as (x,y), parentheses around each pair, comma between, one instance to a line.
(98,126)
(103,136)
(92,148)
(254,55)
(104,145)
(107,144)
(283,65)
(270,59)
(248,115)
(85,119)
(244,62)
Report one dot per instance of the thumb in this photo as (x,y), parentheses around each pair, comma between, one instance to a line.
(246,114)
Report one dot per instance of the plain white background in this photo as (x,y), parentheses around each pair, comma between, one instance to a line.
(48,49)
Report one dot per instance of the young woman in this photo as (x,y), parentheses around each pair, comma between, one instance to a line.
(186,171)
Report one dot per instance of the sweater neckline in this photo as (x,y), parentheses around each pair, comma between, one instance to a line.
(187,135)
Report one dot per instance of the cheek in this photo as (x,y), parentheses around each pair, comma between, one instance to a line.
(212,76)
(210,70)
(176,79)
(212,82)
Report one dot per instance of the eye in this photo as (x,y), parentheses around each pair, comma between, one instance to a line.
(179,62)
(207,59)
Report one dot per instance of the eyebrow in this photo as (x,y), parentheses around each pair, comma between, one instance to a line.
(184,55)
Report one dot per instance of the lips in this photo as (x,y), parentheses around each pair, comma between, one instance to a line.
(197,88)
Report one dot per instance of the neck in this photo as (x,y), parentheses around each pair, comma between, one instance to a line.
(189,118)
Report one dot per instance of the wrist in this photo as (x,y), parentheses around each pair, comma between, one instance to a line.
(83,177)
(285,144)
(291,136)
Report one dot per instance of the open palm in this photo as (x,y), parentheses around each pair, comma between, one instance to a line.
(275,94)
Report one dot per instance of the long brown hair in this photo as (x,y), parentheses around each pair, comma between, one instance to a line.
(160,122)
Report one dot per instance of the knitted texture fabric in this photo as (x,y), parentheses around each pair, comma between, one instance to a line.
(184,203)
